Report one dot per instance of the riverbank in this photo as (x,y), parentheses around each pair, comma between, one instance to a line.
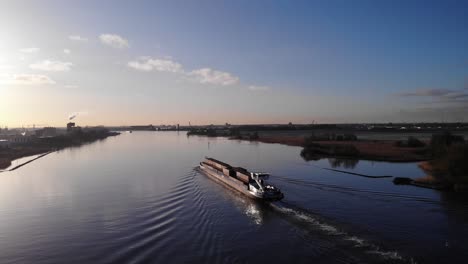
(374,150)
(444,155)
(33,158)
(11,154)
(444,165)
(444,158)
(46,145)
(330,145)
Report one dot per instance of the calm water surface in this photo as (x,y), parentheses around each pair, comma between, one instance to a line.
(137,198)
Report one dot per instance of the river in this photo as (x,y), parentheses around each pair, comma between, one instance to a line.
(137,198)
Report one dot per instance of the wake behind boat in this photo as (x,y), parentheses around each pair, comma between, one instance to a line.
(251,184)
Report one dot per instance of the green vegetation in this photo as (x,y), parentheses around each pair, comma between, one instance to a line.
(441,142)
(411,142)
(344,163)
(450,158)
(209,132)
(233,133)
(332,137)
(314,151)
(253,136)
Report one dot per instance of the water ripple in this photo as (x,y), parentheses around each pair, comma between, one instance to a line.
(155,225)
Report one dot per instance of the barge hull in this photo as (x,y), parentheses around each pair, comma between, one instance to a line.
(228,181)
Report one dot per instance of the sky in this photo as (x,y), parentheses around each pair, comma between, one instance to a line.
(241,62)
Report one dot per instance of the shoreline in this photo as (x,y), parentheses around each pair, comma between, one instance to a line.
(26,162)
(437,176)
(11,155)
(371,150)
(49,145)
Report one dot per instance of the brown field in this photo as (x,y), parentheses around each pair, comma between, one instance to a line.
(381,150)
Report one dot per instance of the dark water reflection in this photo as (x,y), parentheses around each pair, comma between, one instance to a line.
(343,163)
(138,198)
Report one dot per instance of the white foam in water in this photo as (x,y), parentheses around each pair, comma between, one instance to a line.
(386,254)
(308,218)
(359,242)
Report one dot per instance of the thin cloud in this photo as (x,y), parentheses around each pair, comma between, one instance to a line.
(210,76)
(162,65)
(442,96)
(78,38)
(446,113)
(50,65)
(66,51)
(426,92)
(259,88)
(114,41)
(140,66)
(6,67)
(29,50)
(456,95)
(27,79)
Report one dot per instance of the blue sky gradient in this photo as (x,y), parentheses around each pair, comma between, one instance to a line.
(366,60)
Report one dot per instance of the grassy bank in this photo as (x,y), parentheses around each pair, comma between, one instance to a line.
(393,151)
(443,156)
(333,145)
(449,163)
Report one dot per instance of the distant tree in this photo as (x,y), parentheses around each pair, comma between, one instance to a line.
(445,139)
(234,132)
(415,143)
(254,136)
(350,137)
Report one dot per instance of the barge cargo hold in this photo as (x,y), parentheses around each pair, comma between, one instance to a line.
(252,184)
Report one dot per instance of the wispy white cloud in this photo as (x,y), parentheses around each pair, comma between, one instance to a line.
(149,64)
(259,88)
(66,51)
(203,75)
(26,79)
(49,65)
(114,41)
(70,86)
(29,50)
(78,38)
(210,76)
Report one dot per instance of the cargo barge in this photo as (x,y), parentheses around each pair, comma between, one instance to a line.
(252,184)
